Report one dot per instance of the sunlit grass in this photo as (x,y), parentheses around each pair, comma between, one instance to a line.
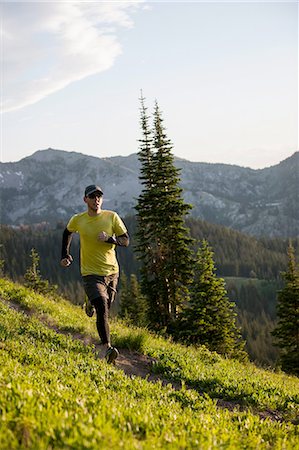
(54,393)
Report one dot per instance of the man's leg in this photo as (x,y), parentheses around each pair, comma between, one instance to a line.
(101,296)
(102,311)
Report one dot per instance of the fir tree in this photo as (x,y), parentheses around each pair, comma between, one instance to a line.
(287,329)
(33,277)
(175,256)
(146,226)
(163,241)
(210,319)
(145,154)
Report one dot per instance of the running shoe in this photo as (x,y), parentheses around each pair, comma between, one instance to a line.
(111,355)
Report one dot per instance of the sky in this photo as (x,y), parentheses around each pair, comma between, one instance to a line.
(224,74)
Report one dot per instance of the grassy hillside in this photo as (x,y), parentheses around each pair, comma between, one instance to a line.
(57,394)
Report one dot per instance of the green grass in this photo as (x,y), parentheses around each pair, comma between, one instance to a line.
(55,394)
(219,377)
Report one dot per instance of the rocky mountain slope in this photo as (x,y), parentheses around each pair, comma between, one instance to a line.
(49,185)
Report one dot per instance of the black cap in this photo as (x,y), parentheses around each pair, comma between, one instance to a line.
(92,189)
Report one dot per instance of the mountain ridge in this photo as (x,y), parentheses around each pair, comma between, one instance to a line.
(49,185)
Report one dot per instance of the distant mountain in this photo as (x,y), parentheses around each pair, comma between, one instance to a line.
(49,185)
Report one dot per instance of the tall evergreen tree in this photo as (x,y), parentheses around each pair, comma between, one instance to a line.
(145,154)
(163,241)
(287,329)
(210,318)
(146,235)
(175,256)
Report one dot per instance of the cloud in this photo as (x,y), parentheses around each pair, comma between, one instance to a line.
(46,46)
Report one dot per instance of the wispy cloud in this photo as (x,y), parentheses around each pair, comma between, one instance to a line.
(46,46)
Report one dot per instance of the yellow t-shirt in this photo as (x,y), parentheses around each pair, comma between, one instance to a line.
(97,258)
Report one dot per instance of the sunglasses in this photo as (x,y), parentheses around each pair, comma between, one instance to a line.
(94,195)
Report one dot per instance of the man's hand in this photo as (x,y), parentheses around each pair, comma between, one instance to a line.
(103,236)
(65,262)
(122,240)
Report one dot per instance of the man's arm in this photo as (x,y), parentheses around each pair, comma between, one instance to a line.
(123,240)
(66,258)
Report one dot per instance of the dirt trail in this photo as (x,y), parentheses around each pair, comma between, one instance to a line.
(136,364)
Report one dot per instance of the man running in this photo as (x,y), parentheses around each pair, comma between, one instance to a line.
(100,231)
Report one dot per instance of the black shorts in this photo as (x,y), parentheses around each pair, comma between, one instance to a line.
(96,286)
